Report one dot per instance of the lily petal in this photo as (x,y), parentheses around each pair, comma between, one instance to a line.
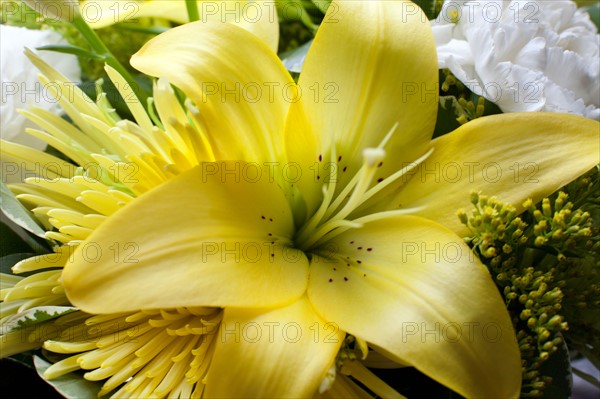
(194,239)
(413,289)
(512,156)
(242,106)
(258,17)
(354,91)
(99,14)
(253,340)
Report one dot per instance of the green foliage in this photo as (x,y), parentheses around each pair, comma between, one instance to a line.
(458,105)
(31,317)
(294,59)
(11,242)
(71,385)
(583,3)
(18,229)
(322,5)
(594,11)
(299,21)
(77,51)
(431,8)
(17,213)
(17,13)
(558,368)
(292,34)
(8,261)
(112,36)
(546,264)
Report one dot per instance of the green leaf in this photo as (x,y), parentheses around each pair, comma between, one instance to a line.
(15,239)
(448,110)
(322,5)
(294,10)
(594,12)
(192,10)
(69,385)
(558,366)
(35,316)
(11,242)
(294,59)
(428,7)
(587,377)
(150,30)
(16,212)
(590,354)
(68,49)
(24,359)
(8,261)
(143,82)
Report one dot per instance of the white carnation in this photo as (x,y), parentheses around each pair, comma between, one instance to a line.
(523,55)
(20,85)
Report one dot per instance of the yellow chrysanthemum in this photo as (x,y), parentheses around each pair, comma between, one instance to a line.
(145,354)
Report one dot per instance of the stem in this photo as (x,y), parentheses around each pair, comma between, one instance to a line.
(100,48)
(192,10)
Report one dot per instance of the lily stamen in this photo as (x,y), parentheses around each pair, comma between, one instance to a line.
(357,223)
(344,194)
(359,196)
(357,370)
(388,135)
(386,182)
(322,212)
(307,236)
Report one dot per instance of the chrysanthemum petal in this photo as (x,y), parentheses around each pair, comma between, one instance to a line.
(412,288)
(209,237)
(511,156)
(242,104)
(22,161)
(354,91)
(273,353)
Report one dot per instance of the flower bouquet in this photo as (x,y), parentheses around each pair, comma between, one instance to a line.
(298,198)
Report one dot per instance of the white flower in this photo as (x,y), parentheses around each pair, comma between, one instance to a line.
(20,85)
(523,55)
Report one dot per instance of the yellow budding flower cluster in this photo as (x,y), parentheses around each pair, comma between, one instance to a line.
(465,108)
(545,263)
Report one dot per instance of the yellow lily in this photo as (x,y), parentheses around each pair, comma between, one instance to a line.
(299,259)
(320,250)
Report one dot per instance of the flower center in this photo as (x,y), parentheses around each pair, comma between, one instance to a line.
(334,216)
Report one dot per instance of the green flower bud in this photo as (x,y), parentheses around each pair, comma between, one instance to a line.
(462,216)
